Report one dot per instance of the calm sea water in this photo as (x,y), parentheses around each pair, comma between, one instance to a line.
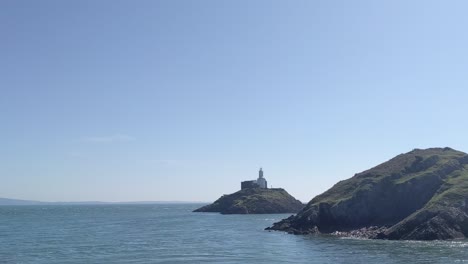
(173,234)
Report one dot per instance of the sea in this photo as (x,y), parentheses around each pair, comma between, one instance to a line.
(172,233)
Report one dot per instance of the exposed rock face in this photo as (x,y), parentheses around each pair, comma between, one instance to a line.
(255,201)
(420,195)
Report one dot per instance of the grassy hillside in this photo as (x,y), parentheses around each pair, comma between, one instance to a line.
(400,170)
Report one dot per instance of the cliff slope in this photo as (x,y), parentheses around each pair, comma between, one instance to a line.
(420,195)
(255,201)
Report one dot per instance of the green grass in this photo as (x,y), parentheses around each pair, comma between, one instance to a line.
(455,189)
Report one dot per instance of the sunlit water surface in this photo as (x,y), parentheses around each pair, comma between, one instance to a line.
(173,234)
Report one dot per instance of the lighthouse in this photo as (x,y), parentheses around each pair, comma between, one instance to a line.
(262,183)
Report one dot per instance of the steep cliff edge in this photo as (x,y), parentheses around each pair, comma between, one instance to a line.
(255,201)
(420,195)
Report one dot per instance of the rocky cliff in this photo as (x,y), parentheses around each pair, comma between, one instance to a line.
(420,195)
(255,201)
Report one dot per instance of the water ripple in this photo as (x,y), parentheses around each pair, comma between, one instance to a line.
(173,234)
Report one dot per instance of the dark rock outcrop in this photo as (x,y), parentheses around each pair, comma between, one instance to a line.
(420,195)
(255,201)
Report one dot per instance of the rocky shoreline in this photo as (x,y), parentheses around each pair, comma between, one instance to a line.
(371,232)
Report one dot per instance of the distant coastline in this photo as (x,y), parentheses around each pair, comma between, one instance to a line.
(9,201)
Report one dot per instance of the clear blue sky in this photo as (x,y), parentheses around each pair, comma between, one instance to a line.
(181,100)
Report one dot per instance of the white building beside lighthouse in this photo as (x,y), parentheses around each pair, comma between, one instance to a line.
(260,182)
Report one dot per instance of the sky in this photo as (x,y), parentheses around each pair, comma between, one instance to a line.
(182,100)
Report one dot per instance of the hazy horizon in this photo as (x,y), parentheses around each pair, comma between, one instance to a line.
(2,200)
(183,100)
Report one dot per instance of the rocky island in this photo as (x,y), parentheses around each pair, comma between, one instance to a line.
(420,195)
(255,201)
(255,198)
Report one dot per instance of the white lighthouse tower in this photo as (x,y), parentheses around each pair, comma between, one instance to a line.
(262,183)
